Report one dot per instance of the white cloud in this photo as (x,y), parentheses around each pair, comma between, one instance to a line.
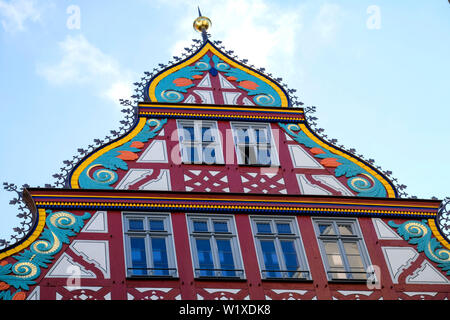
(83,63)
(14,14)
(255,29)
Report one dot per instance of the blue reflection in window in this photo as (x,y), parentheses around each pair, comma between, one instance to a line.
(290,256)
(138,257)
(226,258)
(220,226)
(205,259)
(270,258)
(200,226)
(263,227)
(284,228)
(157,225)
(136,224)
(159,253)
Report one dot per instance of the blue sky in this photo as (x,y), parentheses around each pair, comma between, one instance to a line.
(378,72)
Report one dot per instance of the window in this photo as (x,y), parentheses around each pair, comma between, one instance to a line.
(215,247)
(149,245)
(342,249)
(254,144)
(199,142)
(279,248)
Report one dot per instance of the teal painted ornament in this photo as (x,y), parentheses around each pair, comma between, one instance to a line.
(60,226)
(101,173)
(420,234)
(359,180)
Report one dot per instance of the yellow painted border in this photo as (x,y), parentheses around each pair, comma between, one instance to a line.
(36,233)
(200,206)
(318,201)
(201,53)
(221,108)
(437,234)
(386,184)
(76,175)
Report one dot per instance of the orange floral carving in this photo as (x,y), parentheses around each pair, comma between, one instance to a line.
(330,162)
(316,150)
(127,155)
(197,76)
(4,286)
(247,84)
(182,82)
(19,296)
(232,78)
(137,144)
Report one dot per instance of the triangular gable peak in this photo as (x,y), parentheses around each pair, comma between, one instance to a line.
(211,77)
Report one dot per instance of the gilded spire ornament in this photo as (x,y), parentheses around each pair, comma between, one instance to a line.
(202,24)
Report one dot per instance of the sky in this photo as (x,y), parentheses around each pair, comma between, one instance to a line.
(378,72)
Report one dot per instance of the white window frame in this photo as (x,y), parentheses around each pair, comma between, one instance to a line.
(253,145)
(199,144)
(347,274)
(213,236)
(146,233)
(295,236)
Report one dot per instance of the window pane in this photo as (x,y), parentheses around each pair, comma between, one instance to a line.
(262,135)
(270,258)
(345,229)
(159,253)
(264,156)
(220,226)
(192,153)
(263,227)
(200,226)
(207,134)
(284,228)
(138,257)
(226,257)
(136,224)
(243,135)
(355,261)
(209,155)
(157,225)
(188,133)
(290,257)
(326,229)
(205,259)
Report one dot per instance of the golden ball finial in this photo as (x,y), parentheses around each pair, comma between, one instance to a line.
(202,23)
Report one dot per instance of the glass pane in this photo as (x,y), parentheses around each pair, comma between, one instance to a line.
(345,229)
(326,229)
(290,258)
(262,135)
(226,258)
(220,226)
(157,225)
(188,133)
(270,258)
(355,261)
(335,261)
(263,227)
(207,134)
(243,135)
(136,224)
(159,253)
(205,259)
(209,155)
(200,226)
(192,154)
(244,151)
(284,228)
(138,257)
(264,156)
